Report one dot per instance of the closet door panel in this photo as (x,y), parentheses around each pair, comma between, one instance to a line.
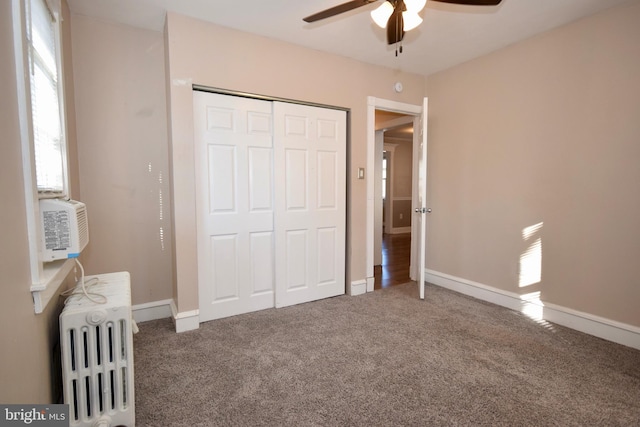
(310,193)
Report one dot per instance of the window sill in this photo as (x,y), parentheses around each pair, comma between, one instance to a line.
(53,275)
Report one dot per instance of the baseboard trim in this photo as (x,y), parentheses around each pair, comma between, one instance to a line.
(185,321)
(371,281)
(400,230)
(600,327)
(358,287)
(151,311)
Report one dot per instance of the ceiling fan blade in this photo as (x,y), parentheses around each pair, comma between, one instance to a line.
(472,2)
(341,8)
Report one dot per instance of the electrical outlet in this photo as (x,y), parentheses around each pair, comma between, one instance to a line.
(401,216)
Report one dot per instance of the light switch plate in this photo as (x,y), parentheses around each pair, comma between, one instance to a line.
(360,173)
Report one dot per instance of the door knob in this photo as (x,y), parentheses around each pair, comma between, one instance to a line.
(423,210)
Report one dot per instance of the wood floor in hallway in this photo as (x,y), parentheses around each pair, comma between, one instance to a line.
(396,257)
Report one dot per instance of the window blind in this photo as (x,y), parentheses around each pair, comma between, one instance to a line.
(49,147)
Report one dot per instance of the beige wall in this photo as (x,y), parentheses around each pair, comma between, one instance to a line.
(210,55)
(545,131)
(123,153)
(400,166)
(27,372)
(403,165)
(401,172)
(402,214)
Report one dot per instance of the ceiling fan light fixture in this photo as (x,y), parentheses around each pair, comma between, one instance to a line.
(411,20)
(381,14)
(415,5)
(396,16)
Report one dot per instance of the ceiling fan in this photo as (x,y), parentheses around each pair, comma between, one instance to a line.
(397,16)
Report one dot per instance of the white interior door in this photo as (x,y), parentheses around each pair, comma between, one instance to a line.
(422,199)
(310,193)
(234,190)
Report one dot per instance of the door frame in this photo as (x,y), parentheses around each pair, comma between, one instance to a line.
(374,104)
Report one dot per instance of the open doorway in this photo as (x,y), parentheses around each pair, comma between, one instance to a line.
(393,198)
(416,267)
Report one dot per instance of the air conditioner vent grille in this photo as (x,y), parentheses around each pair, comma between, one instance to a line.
(65,228)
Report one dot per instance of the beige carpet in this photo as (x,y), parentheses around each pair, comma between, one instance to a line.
(383,359)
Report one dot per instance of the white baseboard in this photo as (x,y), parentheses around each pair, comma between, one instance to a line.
(371,281)
(185,321)
(400,230)
(600,327)
(358,287)
(151,311)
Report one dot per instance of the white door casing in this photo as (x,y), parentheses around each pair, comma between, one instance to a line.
(310,195)
(234,181)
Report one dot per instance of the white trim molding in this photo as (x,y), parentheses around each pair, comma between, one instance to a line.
(152,311)
(53,275)
(358,287)
(400,230)
(185,321)
(600,327)
(370,283)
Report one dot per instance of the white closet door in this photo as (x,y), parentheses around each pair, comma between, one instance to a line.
(234,191)
(310,205)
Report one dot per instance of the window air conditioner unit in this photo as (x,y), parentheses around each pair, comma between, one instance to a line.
(65,229)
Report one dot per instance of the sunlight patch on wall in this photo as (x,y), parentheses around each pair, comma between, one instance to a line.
(160,206)
(531,258)
(161,210)
(161,238)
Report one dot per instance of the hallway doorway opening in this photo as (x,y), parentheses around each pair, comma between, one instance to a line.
(396,255)
(393,198)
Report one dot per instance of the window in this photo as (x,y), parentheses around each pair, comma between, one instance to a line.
(384,176)
(36,34)
(49,146)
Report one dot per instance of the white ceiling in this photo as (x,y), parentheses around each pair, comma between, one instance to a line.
(449,35)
